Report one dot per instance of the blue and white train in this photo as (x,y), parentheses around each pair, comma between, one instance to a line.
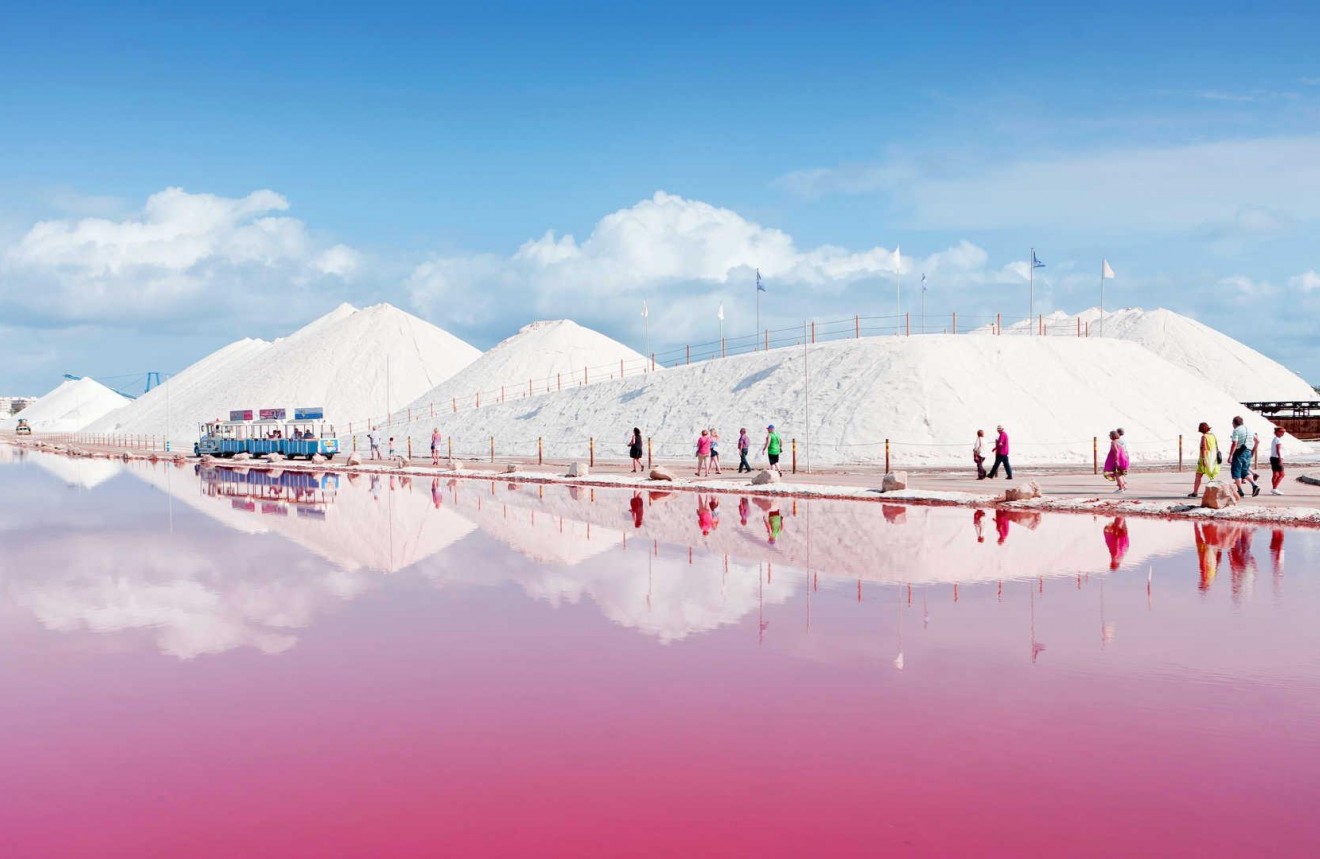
(270,432)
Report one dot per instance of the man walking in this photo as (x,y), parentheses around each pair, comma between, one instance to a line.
(1242,443)
(373,442)
(773,447)
(744,444)
(1001,455)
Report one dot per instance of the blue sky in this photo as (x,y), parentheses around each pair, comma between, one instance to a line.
(421,155)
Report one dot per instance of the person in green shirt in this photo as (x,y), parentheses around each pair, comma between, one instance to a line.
(773,447)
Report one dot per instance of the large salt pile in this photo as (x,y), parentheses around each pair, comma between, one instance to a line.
(71,407)
(543,356)
(1229,365)
(926,395)
(341,361)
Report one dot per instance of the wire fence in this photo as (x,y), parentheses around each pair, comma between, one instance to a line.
(808,332)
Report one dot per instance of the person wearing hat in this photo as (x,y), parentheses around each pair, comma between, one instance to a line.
(1276,461)
(1241,451)
(1207,462)
(1001,455)
(773,447)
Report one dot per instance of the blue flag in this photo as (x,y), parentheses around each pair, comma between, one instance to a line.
(760,287)
(1035,263)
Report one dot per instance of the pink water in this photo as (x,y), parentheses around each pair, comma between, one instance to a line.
(193,668)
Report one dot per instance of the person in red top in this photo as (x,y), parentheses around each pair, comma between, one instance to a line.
(1001,455)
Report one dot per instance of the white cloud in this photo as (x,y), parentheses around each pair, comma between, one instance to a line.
(1254,184)
(1307,281)
(680,254)
(184,253)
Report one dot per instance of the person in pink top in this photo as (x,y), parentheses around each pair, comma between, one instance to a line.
(1001,455)
(703,453)
(1116,462)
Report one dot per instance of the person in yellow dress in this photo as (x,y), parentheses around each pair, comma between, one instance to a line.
(1207,464)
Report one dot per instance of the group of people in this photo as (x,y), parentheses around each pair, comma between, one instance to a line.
(708,450)
(1000,450)
(1243,444)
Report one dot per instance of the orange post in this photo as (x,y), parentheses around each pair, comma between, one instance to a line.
(813,331)
(886,456)
(955,322)
(591,455)
(492,448)
(409,447)
(907,323)
(857,327)
(540,452)
(1095,455)
(794,456)
(1180,452)
(648,451)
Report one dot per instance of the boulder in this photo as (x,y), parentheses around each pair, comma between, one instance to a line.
(455,465)
(354,459)
(1219,495)
(578,469)
(894,481)
(765,476)
(401,461)
(273,456)
(207,459)
(1023,491)
(317,458)
(242,457)
(511,468)
(661,473)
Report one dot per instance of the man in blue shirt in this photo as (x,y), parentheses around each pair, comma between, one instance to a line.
(1240,451)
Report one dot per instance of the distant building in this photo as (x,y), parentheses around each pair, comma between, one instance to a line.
(14,405)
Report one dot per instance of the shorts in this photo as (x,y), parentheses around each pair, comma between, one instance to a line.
(774,458)
(1241,468)
(1276,464)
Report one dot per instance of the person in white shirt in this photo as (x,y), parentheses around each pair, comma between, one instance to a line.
(1241,447)
(978,454)
(1276,461)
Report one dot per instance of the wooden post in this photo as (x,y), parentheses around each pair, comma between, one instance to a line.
(857,327)
(722,351)
(687,350)
(410,447)
(1095,455)
(813,331)
(492,448)
(907,322)
(886,456)
(529,387)
(1180,452)
(620,368)
(586,379)
(652,362)
(999,324)
(451,448)
(794,456)
(955,322)
(767,339)
(1079,326)
(455,400)
(478,399)
(591,451)
(432,409)
(540,452)
(648,452)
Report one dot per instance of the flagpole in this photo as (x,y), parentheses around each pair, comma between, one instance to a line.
(1102,298)
(1031,289)
(898,280)
(923,304)
(757,334)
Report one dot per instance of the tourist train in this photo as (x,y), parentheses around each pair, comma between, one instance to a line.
(306,435)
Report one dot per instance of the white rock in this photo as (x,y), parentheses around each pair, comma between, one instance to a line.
(242,457)
(354,459)
(661,473)
(273,456)
(455,465)
(1023,491)
(578,469)
(318,458)
(511,468)
(894,481)
(765,476)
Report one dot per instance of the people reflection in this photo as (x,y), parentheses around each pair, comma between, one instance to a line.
(1276,555)
(978,524)
(1001,524)
(437,494)
(638,508)
(744,509)
(774,525)
(704,518)
(1241,562)
(714,505)
(1207,551)
(1116,538)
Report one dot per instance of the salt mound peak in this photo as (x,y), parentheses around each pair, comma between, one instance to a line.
(70,407)
(354,362)
(1228,364)
(548,354)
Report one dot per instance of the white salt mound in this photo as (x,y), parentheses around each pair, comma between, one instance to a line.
(71,407)
(340,361)
(543,356)
(1234,367)
(927,395)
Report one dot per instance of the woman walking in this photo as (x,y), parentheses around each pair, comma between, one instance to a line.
(703,453)
(1116,462)
(714,450)
(635,449)
(435,445)
(744,445)
(978,454)
(1207,463)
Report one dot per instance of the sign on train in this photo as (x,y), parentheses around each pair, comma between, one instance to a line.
(241,415)
(272,414)
(314,413)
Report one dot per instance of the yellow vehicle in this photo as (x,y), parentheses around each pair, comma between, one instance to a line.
(23,428)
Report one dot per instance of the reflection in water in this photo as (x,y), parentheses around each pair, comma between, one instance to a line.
(625,666)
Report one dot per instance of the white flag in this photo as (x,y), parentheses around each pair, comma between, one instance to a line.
(645,312)
(1106,271)
(720,313)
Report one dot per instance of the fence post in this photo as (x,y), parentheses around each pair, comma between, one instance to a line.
(591,451)
(999,324)
(540,451)
(409,448)
(687,351)
(648,452)
(907,322)
(1095,455)
(620,368)
(955,322)
(1079,326)
(586,378)
(722,352)
(886,456)
(455,402)
(1180,454)
(813,331)
(652,362)
(857,327)
(767,339)
(478,399)
(794,456)
(451,448)
(492,448)
(432,409)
